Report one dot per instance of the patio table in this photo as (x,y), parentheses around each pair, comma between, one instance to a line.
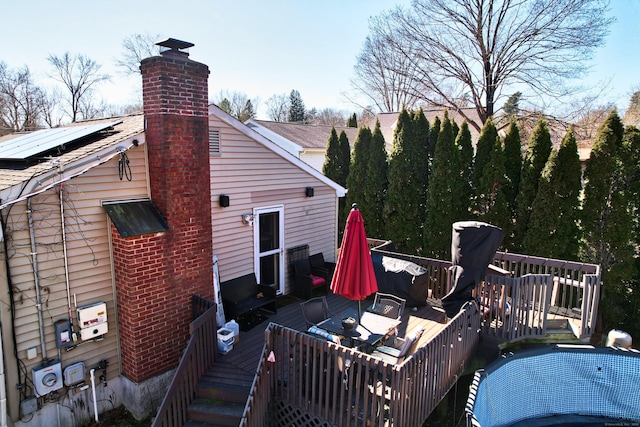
(371,328)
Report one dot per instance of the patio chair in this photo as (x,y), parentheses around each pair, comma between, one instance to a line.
(307,279)
(400,348)
(388,305)
(315,310)
(318,263)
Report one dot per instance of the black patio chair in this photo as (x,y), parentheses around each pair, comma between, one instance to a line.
(388,305)
(315,310)
(306,280)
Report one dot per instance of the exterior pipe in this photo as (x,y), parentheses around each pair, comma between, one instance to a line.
(93,391)
(34,256)
(66,263)
(3,391)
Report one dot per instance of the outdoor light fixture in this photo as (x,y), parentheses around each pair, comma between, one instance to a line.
(308,191)
(224,200)
(247,218)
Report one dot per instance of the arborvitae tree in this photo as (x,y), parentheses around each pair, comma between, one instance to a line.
(631,165)
(492,202)
(344,157)
(345,165)
(553,228)
(422,161)
(606,220)
(401,208)
(297,109)
(332,167)
(484,148)
(353,121)
(442,197)
(455,129)
(465,148)
(513,165)
(356,181)
(536,158)
(376,185)
(433,136)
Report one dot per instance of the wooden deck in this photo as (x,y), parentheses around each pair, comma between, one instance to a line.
(246,353)
(538,304)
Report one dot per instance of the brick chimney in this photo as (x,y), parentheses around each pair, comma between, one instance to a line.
(157,274)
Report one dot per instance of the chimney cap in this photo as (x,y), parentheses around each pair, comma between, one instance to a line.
(174,44)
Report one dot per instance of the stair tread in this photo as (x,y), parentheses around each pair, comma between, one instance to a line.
(217,407)
(225,385)
(201,424)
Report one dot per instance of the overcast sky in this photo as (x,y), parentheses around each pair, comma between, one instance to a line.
(257,47)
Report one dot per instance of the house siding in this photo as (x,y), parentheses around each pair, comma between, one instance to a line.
(254,176)
(89,264)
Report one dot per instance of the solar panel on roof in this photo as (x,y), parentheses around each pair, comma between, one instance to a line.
(40,141)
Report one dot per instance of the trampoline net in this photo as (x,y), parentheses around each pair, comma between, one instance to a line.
(557,380)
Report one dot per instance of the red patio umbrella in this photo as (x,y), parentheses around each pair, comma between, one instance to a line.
(354,277)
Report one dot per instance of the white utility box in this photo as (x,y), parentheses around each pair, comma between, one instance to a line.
(92,320)
(47,378)
(74,374)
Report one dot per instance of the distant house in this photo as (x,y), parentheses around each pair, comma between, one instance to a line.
(307,142)
(110,226)
(388,122)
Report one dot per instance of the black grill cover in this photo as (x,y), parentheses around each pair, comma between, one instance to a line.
(473,246)
(402,278)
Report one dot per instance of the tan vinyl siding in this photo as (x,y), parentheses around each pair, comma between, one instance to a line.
(88,255)
(254,176)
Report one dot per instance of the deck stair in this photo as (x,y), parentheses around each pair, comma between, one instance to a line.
(220,397)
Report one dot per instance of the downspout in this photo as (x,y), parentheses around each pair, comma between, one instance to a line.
(34,256)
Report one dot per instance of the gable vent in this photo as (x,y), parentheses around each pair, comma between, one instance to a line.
(214,142)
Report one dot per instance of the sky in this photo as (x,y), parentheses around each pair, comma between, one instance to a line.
(256,47)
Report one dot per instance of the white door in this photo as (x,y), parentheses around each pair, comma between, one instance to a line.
(268,239)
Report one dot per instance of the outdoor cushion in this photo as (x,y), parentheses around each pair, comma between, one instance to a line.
(317,280)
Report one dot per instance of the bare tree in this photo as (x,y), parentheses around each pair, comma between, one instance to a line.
(53,114)
(137,47)
(278,107)
(461,50)
(22,103)
(78,74)
(383,74)
(329,116)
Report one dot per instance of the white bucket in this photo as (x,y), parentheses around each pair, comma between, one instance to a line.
(235,328)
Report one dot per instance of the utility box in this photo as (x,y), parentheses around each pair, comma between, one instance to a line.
(63,333)
(74,374)
(47,378)
(92,320)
